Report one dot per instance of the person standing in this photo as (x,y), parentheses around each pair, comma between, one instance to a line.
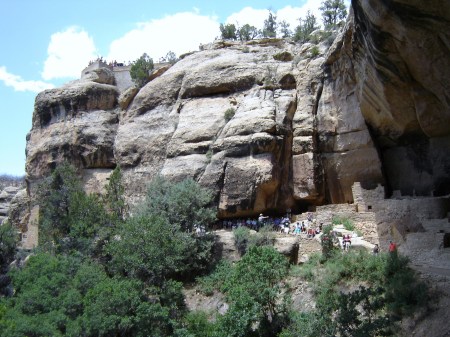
(392,247)
(376,250)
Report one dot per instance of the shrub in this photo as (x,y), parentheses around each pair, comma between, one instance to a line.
(382,300)
(328,248)
(265,237)
(348,224)
(184,203)
(314,51)
(229,114)
(8,241)
(150,249)
(254,291)
(69,219)
(241,239)
(215,280)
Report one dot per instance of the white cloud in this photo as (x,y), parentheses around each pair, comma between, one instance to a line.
(180,33)
(20,84)
(69,52)
(252,16)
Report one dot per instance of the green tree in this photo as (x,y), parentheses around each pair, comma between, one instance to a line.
(69,219)
(228,31)
(140,70)
(150,249)
(8,241)
(254,291)
(41,291)
(270,26)
(247,32)
(284,29)
(114,197)
(333,12)
(56,195)
(170,57)
(305,28)
(360,313)
(184,203)
(64,296)
(119,307)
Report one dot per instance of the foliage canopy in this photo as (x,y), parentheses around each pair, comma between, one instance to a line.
(140,70)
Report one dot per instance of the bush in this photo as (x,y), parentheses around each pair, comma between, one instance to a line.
(8,241)
(60,295)
(314,51)
(229,114)
(183,203)
(150,249)
(254,292)
(346,222)
(140,70)
(215,280)
(69,219)
(265,237)
(241,239)
(381,300)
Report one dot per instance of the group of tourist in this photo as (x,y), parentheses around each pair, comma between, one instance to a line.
(307,227)
(253,223)
(110,64)
(283,224)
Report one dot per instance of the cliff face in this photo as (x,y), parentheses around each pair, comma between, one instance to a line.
(394,63)
(265,125)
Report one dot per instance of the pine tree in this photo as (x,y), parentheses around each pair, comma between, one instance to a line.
(114,197)
(333,12)
(270,26)
(140,70)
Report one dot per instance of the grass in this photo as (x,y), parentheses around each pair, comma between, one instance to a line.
(348,223)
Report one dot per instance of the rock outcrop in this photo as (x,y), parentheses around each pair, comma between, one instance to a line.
(266,125)
(6,195)
(391,66)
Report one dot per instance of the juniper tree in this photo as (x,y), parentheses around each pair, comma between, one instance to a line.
(333,12)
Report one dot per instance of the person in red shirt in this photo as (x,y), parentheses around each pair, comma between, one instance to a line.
(392,247)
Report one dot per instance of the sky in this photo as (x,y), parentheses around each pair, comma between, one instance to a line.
(46,43)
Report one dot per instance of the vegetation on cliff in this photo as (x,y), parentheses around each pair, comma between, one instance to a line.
(333,12)
(140,70)
(100,272)
(97,272)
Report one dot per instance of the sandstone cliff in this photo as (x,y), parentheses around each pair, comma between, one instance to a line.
(266,125)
